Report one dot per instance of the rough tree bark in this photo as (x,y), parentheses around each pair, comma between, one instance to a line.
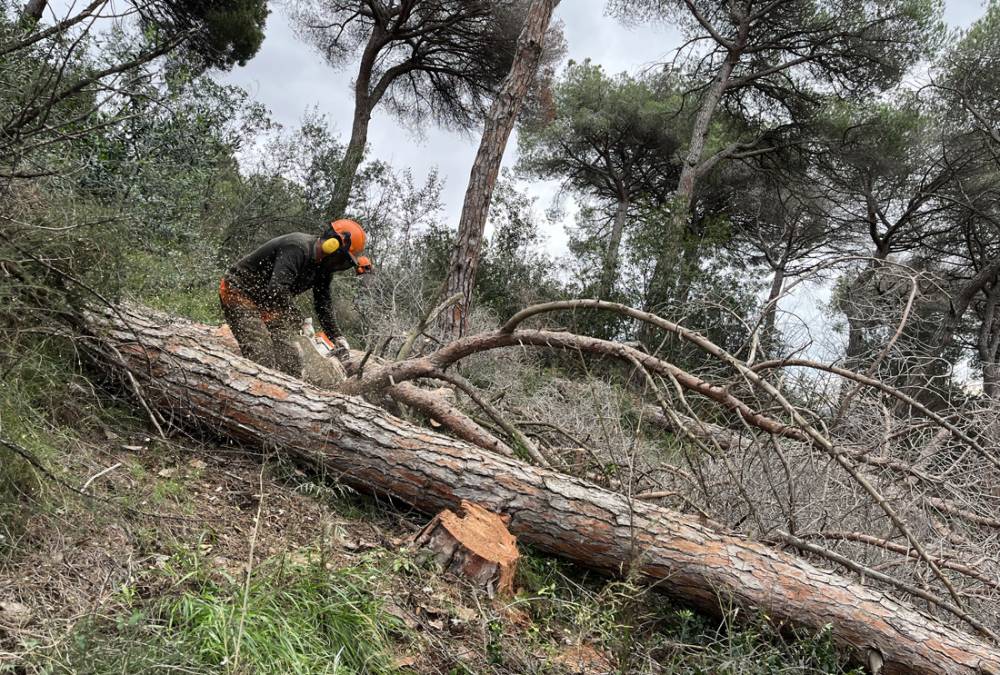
(768,330)
(988,342)
(365,101)
(190,380)
(499,123)
(33,10)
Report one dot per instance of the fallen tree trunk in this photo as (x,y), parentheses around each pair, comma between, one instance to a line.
(328,373)
(190,379)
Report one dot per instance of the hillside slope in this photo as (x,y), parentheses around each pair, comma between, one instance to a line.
(149,571)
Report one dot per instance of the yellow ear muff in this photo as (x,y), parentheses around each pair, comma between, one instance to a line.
(331,245)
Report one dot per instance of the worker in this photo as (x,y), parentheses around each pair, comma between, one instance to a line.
(257,292)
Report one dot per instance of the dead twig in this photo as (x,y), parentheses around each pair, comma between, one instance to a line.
(407,345)
(862,538)
(98,475)
(818,439)
(234,664)
(516,434)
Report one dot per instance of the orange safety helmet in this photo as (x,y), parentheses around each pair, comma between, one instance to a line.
(352,230)
(364,265)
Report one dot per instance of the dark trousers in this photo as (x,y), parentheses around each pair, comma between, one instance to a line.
(270,343)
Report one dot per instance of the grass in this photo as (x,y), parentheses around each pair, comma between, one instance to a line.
(295,617)
(643,631)
(33,394)
(299,616)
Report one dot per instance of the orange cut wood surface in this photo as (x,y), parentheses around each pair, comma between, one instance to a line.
(482,532)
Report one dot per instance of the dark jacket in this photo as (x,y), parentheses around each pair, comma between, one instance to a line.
(282,268)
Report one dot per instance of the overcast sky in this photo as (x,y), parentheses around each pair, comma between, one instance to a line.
(289,77)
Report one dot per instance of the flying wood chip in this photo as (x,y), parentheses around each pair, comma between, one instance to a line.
(475,544)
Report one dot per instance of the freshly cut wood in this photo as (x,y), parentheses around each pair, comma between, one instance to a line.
(191,379)
(473,543)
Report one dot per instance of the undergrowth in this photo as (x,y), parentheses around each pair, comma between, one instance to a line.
(41,410)
(175,284)
(642,631)
(293,617)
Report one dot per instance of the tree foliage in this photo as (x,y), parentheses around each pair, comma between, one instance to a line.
(611,140)
(785,52)
(770,65)
(428,59)
(439,60)
(217,34)
(614,138)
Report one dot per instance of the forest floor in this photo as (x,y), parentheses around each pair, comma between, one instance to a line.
(143,554)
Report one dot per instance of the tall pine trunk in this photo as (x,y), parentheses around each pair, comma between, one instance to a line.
(364,102)
(768,336)
(499,123)
(352,159)
(668,270)
(609,274)
(988,344)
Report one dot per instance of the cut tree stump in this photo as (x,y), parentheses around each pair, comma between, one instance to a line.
(475,544)
(192,380)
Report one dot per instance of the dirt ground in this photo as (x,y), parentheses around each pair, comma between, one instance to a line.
(142,499)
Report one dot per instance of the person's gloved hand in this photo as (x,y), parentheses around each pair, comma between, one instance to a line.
(341,348)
